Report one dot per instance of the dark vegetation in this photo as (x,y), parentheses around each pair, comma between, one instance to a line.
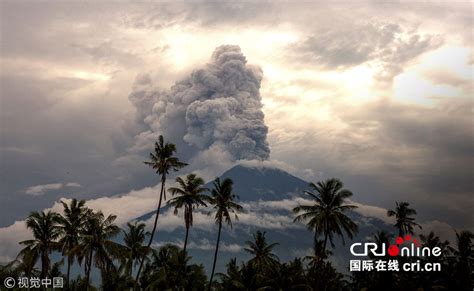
(87,238)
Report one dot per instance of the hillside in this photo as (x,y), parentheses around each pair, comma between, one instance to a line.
(268,196)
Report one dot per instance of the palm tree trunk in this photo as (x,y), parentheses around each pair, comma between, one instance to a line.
(325,240)
(314,245)
(326,235)
(85,268)
(68,270)
(186,238)
(163,180)
(89,266)
(28,274)
(44,265)
(215,255)
(400,229)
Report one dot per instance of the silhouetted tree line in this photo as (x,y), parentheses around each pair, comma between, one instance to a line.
(88,239)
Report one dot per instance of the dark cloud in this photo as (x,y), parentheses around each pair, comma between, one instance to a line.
(349,47)
(205,14)
(57,121)
(218,106)
(449,78)
(387,151)
(108,53)
(48,138)
(389,44)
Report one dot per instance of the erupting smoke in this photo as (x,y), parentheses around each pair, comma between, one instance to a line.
(217,108)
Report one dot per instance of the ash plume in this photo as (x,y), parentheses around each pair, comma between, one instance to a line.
(217,110)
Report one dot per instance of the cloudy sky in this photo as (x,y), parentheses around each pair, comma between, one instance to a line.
(377,94)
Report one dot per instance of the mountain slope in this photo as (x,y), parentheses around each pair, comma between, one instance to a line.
(268,196)
(261,183)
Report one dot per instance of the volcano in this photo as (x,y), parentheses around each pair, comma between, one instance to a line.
(268,196)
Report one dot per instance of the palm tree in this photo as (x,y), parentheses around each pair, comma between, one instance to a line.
(118,279)
(287,276)
(188,194)
(162,161)
(432,280)
(262,252)
(44,226)
(232,279)
(71,224)
(223,201)
(24,264)
(464,254)
(319,254)
(404,220)
(96,244)
(158,269)
(134,238)
(250,277)
(382,237)
(169,270)
(432,241)
(327,215)
(464,245)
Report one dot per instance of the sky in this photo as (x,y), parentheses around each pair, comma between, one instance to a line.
(378,94)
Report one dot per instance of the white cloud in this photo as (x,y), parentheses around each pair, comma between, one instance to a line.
(127,207)
(254,215)
(203,245)
(169,222)
(42,189)
(285,204)
(267,220)
(136,203)
(9,238)
(373,211)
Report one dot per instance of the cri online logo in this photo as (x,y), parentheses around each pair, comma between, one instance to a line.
(412,248)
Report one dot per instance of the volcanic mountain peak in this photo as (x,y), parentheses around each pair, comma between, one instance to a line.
(263,183)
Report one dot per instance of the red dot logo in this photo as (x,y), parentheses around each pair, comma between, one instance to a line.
(399,240)
(407,237)
(393,250)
